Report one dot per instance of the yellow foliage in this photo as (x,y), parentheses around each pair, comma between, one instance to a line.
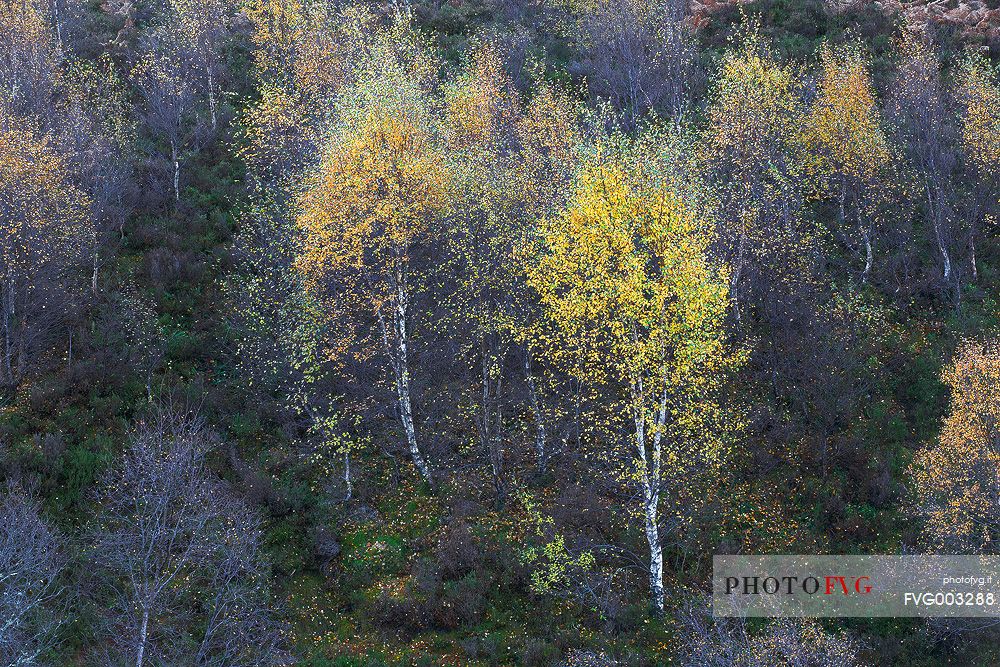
(957,479)
(632,299)
(273,128)
(309,47)
(480,103)
(27,51)
(45,229)
(381,184)
(748,146)
(979,91)
(754,107)
(550,135)
(843,137)
(44,215)
(24,23)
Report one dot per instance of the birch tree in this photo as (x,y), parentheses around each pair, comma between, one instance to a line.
(955,480)
(783,642)
(45,233)
(551,143)
(918,111)
(172,544)
(514,161)
(846,149)
(202,27)
(281,333)
(28,57)
(480,112)
(373,203)
(640,56)
(483,115)
(165,83)
(753,118)
(978,93)
(31,562)
(637,306)
(98,131)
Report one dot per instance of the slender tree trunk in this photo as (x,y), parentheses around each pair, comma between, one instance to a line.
(866,236)
(936,214)
(650,479)
(944,251)
(177,169)
(403,384)
(58,21)
(536,410)
(211,97)
(347,477)
(650,502)
(972,251)
(863,228)
(16,351)
(143,637)
(490,419)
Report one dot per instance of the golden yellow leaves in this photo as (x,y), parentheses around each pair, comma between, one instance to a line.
(956,480)
(481,102)
(380,186)
(45,228)
(24,22)
(304,55)
(278,26)
(633,308)
(842,135)
(39,197)
(748,146)
(624,277)
(388,175)
(273,130)
(755,102)
(28,52)
(979,92)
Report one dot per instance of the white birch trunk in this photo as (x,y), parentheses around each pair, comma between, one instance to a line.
(536,411)
(143,635)
(869,255)
(944,251)
(649,473)
(57,19)
(347,477)
(935,208)
(972,254)
(211,97)
(651,500)
(403,384)
(177,170)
